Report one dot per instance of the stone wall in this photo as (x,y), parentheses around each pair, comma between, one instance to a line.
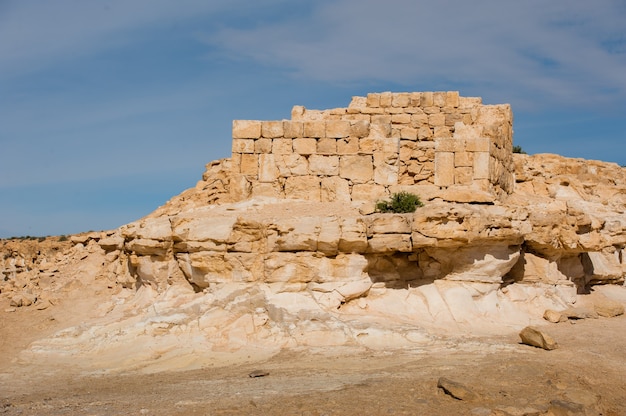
(436,144)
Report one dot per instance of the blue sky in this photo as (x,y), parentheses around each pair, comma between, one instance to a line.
(109,108)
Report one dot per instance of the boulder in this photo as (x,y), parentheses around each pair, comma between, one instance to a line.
(537,338)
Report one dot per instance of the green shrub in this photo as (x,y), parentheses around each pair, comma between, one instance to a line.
(518,149)
(400,202)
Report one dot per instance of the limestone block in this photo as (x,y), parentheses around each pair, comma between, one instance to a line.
(334,188)
(449,144)
(266,189)
(360,128)
(444,168)
(373,100)
(481,165)
(338,129)
(452,99)
(425,133)
(243,145)
(477,144)
(357,103)
(385,99)
(401,99)
(203,228)
(385,168)
(298,112)
(409,133)
(249,164)
(307,146)
(357,168)
(463,175)
(149,228)
(240,187)
(315,129)
(481,264)
(268,172)
(442,132)
(401,118)
(353,238)
(438,119)
(303,187)
(348,146)
(386,243)
(207,268)
(327,146)
(298,233)
(292,164)
(427,99)
(384,119)
(324,165)
(272,129)
(368,192)
(263,146)
(246,129)
(367,145)
(463,159)
(282,146)
(389,224)
(439,99)
(293,129)
(328,237)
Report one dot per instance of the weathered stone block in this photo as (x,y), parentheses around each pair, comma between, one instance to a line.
(243,145)
(335,189)
(401,99)
(249,164)
(268,172)
(306,146)
(263,146)
(357,168)
(282,146)
(386,168)
(463,175)
(401,118)
(463,159)
(316,129)
(266,189)
(292,164)
(444,168)
(348,146)
(327,146)
(387,243)
(373,100)
(439,99)
(478,144)
(324,165)
(272,129)
(385,99)
(481,165)
(246,129)
(303,187)
(368,192)
(338,129)
(438,119)
(293,129)
(449,144)
(360,128)
(409,133)
(427,99)
(452,99)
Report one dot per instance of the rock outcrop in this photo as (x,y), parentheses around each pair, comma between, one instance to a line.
(280,245)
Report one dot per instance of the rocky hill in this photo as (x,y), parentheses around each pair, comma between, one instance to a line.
(282,247)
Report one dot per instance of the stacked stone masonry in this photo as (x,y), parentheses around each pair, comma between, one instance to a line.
(433,143)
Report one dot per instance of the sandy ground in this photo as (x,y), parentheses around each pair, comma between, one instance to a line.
(586,375)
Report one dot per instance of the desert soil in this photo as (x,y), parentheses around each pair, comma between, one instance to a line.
(507,378)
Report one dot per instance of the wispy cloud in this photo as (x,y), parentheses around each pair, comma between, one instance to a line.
(558,51)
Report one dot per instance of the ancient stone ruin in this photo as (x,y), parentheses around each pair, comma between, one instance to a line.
(434,143)
(280,245)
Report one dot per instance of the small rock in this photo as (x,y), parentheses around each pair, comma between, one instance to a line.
(565,408)
(455,389)
(23,299)
(553,316)
(608,308)
(259,373)
(580,313)
(537,338)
